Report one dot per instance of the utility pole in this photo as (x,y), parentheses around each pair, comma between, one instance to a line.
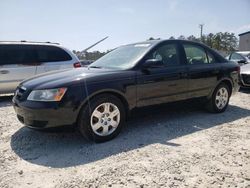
(201,27)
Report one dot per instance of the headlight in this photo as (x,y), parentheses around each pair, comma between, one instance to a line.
(47,95)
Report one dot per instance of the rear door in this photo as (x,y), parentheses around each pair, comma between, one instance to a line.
(17,62)
(52,58)
(203,70)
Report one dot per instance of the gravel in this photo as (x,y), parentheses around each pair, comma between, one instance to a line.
(175,145)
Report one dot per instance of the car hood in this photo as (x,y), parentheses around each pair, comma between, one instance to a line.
(65,78)
(245,69)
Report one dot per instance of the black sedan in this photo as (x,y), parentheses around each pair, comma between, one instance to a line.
(97,99)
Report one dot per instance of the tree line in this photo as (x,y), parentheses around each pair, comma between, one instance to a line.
(223,42)
(89,55)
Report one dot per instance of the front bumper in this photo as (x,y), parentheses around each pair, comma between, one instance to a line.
(41,115)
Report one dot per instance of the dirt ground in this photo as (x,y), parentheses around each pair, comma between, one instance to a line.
(176,145)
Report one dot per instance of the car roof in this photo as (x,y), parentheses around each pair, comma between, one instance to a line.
(24,42)
(37,44)
(158,41)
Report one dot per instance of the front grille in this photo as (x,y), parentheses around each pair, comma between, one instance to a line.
(246,78)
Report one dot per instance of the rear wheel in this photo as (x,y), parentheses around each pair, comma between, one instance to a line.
(102,119)
(220,99)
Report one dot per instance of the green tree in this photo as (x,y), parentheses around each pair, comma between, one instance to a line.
(209,40)
(192,38)
(182,37)
(226,41)
(151,38)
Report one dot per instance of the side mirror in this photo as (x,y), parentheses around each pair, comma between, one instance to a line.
(153,63)
(242,61)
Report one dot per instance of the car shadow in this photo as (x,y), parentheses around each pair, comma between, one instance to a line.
(245,90)
(5,100)
(151,125)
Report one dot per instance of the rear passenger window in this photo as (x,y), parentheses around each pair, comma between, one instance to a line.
(197,55)
(51,54)
(17,54)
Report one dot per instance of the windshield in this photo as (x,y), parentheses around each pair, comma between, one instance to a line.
(246,55)
(122,58)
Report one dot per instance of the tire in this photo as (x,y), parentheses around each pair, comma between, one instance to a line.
(218,103)
(102,118)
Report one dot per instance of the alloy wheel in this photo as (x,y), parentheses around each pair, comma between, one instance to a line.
(221,98)
(105,119)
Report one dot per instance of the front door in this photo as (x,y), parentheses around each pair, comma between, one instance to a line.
(165,83)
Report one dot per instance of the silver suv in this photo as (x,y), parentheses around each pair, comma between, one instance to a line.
(22,60)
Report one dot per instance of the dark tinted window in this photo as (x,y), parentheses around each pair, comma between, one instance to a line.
(236,56)
(167,53)
(197,55)
(51,54)
(17,54)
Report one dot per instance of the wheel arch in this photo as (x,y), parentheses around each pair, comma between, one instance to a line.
(226,81)
(229,84)
(115,93)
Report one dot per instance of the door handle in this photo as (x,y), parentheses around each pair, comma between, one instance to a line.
(183,74)
(216,71)
(172,85)
(4,72)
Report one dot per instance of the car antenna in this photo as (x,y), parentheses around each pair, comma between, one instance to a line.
(86,49)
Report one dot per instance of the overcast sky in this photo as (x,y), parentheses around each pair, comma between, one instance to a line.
(76,24)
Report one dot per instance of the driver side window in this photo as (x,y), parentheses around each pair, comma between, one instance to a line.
(168,54)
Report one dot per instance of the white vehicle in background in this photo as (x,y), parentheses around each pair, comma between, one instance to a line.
(242,57)
(245,75)
(22,60)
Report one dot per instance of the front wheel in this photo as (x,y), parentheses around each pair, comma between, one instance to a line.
(102,118)
(220,99)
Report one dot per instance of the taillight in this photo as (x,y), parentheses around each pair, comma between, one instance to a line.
(77,65)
